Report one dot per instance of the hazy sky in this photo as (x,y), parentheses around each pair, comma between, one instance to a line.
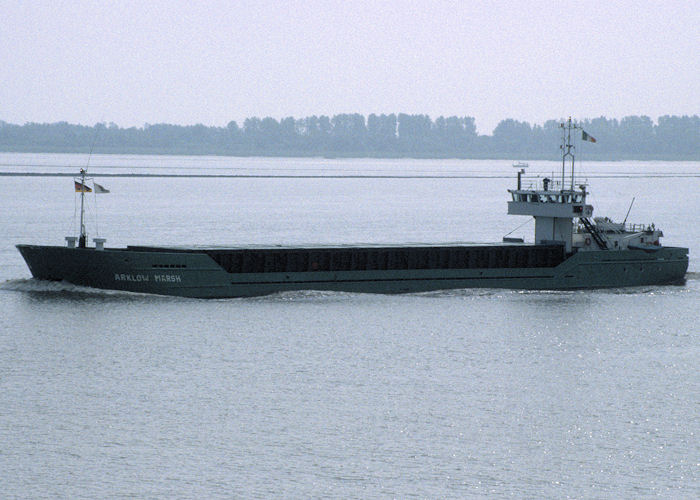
(214,61)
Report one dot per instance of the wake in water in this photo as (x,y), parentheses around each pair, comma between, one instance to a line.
(42,286)
(68,290)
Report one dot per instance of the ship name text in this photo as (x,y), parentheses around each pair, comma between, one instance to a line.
(130,277)
(158,278)
(167,278)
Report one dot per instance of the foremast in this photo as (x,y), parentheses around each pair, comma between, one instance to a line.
(82,239)
(82,188)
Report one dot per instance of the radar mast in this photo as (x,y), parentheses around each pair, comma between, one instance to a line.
(566,148)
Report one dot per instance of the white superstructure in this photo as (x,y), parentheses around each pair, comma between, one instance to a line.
(555,205)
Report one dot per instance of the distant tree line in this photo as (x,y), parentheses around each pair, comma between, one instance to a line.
(353,135)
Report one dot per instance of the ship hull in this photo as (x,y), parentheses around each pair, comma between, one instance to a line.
(206,274)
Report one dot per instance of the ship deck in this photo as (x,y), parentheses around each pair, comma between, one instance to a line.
(319,246)
(376,257)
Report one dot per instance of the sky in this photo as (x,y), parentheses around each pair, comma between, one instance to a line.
(210,62)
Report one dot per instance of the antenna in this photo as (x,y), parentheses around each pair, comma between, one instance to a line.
(92,146)
(628,211)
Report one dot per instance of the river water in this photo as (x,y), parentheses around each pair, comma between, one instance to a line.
(456,394)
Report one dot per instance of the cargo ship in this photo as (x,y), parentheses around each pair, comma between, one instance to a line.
(571,250)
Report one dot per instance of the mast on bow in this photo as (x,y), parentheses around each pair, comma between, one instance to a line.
(82,188)
(83,234)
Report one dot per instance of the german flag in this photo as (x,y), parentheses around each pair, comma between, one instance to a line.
(82,188)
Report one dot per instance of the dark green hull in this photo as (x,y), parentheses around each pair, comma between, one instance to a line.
(206,274)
